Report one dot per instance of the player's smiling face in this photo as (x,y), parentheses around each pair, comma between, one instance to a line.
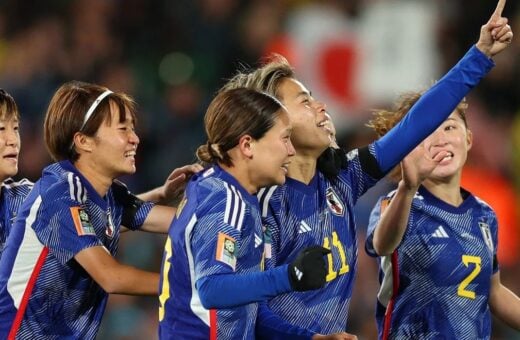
(454,137)
(116,145)
(9,148)
(311,133)
(273,152)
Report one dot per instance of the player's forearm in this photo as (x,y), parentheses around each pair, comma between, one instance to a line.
(505,305)
(115,277)
(154,195)
(131,281)
(232,290)
(159,219)
(394,219)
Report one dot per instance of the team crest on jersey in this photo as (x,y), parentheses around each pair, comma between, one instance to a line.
(226,250)
(334,203)
(181,206)
(82,221)
(486,234)
(109,230)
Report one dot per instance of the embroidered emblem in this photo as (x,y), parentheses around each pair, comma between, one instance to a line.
(486,234)
(334,203)
(109,230)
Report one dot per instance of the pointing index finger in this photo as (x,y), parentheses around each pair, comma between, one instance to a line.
(498,10)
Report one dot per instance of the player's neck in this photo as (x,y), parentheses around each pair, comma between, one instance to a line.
(99,182)
(447,191)
(302,168)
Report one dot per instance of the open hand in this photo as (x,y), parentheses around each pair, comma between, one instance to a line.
(174,185)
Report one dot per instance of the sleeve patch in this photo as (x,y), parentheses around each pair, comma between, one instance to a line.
(384,204)
(82,222)
(226,250)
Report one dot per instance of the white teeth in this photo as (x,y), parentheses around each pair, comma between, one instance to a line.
(448,156)
(322,124)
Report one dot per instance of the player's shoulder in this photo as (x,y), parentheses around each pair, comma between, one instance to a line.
(212,189)
(208,185)
(483,205)
(58,182)
(269,199)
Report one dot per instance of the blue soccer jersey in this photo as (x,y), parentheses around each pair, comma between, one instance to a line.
(12,194)
(436,284)
(44,292)
(295,216)
(217,230)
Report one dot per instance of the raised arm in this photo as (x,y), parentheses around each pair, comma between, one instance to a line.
(441,99)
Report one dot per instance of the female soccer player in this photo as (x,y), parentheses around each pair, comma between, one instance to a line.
(437,242)
(212,278)
(58,264)
(12,193)
(315,205)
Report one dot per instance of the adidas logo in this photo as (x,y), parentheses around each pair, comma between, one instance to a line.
(258,241)
(298,273)
(440,233)
(304,227)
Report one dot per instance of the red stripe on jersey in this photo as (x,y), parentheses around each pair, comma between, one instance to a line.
(213,324)
(395,288)
(28,290)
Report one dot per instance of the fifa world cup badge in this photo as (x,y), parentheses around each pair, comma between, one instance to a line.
(226,250)
(82,221)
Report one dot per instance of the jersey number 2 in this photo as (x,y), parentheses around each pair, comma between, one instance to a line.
(343,258)
(467,260)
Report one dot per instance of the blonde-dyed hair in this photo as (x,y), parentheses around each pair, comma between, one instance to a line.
(266,79)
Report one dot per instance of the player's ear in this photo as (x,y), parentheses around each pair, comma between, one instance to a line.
(469,139)
(246,145)
(82,142)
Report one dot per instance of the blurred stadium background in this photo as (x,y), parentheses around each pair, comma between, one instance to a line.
(173,55)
